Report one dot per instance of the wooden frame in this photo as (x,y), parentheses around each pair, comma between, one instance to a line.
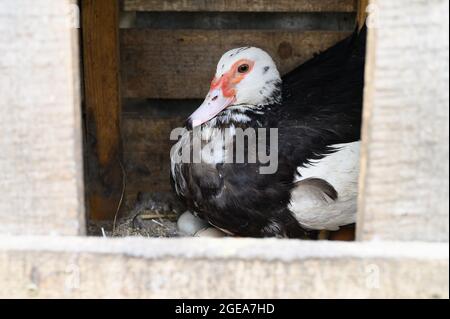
(404,186)
(220,268)
(41,171)
(42,177)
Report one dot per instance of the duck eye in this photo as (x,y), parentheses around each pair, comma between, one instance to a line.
(243,68)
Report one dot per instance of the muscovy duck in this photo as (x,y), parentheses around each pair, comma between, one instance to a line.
(316,109)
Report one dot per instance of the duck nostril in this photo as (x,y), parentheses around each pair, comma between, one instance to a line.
(215,98)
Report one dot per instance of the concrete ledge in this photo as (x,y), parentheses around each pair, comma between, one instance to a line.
(51,267)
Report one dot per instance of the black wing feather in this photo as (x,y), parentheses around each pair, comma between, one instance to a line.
(322,101)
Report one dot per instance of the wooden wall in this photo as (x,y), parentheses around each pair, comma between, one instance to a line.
(176,61)
(146,128)
(179,64)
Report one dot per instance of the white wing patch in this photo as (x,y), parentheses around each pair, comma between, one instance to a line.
(340,170)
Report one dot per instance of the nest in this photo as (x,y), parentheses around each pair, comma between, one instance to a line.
(152,215)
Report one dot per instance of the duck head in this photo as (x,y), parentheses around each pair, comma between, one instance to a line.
(244,76)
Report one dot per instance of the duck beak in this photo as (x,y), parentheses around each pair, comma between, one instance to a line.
(214,103)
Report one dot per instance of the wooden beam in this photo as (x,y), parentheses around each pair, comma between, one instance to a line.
(41,171)
(361,12)
(242,6)
(180,63)
(220,268)
(404,180)
(100,21)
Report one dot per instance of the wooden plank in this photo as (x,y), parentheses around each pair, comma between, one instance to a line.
(334,21)
(216,268)
(361,12)
(181,63)
(41,179)
(242,6)
(103,107)
(404,183)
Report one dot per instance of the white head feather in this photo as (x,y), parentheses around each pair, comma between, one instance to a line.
(245,77)
(259,85)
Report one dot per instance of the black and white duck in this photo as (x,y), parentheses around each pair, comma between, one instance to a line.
(316,113)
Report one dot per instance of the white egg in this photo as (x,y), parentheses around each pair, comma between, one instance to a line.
(189,225)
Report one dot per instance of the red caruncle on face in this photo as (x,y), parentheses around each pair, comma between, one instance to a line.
(228,80)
